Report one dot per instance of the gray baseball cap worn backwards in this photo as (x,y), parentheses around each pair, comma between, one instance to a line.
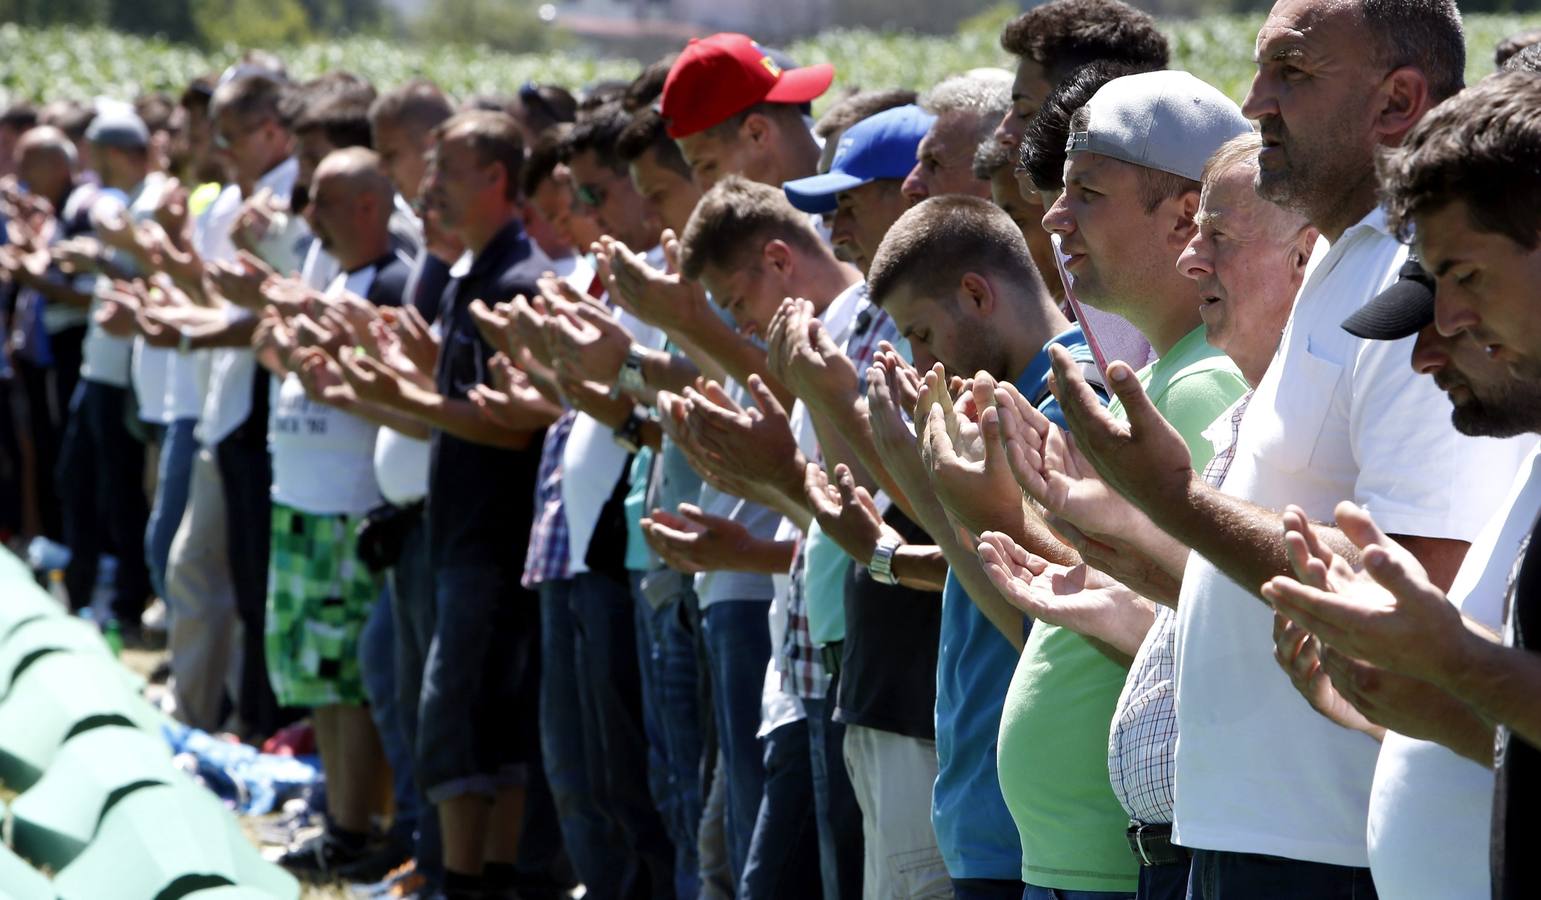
(1169,121)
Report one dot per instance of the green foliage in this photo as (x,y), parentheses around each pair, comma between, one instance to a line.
(84,62)
(503,25)
(253,23)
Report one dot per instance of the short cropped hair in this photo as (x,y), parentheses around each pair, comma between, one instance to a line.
(1527,60)
(1424,34)
(1063,35)
(155,109)
(1482,146)
(735,219)
(648,131)
(1156,185)
(249,98)
(858,106)
(598,132)
(548,152)
(787,114)
(1513,44)
(936,241)
(647,87)
(493,137)
(339,111)
(418,105)
(1239,151)
(540,106)
(1042,152)
(19,116)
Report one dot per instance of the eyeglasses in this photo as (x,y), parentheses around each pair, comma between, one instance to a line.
(592,196)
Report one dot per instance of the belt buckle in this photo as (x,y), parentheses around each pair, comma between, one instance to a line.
(1139,845)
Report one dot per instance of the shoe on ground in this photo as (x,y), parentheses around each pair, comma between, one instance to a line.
(318,859)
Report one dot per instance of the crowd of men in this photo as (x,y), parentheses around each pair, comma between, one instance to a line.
(1063,483)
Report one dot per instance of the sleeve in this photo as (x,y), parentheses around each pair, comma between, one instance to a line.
(1194,400)
(1417,474)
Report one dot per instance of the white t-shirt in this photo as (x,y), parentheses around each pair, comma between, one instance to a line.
(1335,418)
(227,403)
(401,467)
(591,459)
(1430,807)
(104,358)
(323,457)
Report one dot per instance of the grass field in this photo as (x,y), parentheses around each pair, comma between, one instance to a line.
(84,63)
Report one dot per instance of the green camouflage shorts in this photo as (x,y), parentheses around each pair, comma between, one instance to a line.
(319,595)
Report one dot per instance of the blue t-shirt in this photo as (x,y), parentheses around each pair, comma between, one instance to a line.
(975,662)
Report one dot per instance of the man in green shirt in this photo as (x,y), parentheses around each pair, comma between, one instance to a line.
(1137,150)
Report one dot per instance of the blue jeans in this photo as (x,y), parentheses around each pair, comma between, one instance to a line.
(100,481)
(593,843)
(377,663)
(1041,893)
(178,448)
(784,851)
(986,889)
(666,656)
(838,815)
(1218,875)
(414,612)
(738,647)
(614,742)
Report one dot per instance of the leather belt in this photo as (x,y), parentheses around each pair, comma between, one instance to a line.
(1152,845)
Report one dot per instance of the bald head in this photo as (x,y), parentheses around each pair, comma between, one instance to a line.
(351,203)
(45,162)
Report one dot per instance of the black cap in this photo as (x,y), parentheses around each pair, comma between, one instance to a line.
(1400,310)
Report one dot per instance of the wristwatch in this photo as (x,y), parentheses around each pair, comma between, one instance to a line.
(630,378)
(629,435)
(881,568)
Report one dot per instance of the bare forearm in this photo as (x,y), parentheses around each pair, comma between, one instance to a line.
(963,562)
(386,417)
(229,333)
(858,450)
(734,354)
(463,420)
(1499,683)
(672,372)
(920,566)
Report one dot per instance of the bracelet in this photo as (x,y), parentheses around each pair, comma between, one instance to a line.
(881,568)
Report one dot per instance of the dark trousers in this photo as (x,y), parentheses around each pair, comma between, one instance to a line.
(246,471)
(783,856)
(614,742)
(412,606)
(839,816)
(593,842)
(1168,882)
(48,391)
(101,481)
(1223,875)
(986,889)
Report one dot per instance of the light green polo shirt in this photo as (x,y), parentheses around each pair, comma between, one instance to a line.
(1053,749)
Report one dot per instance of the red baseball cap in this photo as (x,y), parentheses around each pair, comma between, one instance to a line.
(718,77)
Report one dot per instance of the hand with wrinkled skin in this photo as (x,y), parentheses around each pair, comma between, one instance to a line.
(758,441)
(371,380)
(673,418)
(587,342)
(1298,653)
(322,377)
(662,299)
(414,337)
(804,358)
(889,378)
(967,463)
(510,390)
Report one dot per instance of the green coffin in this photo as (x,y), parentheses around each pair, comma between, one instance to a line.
(57,817)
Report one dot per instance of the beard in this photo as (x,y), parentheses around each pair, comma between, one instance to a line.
(1317,173)
(1496,411)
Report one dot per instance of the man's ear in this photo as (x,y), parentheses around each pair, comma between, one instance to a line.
(757,129)
(777,256)
(1300,253)
(976,295)
(1184,224)
(1402,99)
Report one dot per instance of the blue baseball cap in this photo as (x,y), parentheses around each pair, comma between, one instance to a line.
(877,147)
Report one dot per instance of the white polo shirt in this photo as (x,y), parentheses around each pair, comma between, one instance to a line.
(1431,808)
(1335,418)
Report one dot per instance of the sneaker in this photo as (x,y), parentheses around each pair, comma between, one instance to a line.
(381,859)
(318,859)
(402,881)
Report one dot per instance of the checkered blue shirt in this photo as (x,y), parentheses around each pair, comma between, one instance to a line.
(546,558)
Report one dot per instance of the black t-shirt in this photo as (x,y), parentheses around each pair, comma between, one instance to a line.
(389,287)
(1517,793)
(481,498)
(425,287)
(888,661)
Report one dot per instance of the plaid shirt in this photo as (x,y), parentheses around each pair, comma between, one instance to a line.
(546,558)
(1143,742)
(802,663)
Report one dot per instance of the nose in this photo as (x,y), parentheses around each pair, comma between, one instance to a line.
(1452,315)
(1195,262)
(1262,101)
(915,188)
(1431,351)
(1009,132)
(1057,218)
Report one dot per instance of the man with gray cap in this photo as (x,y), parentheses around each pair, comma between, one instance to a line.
(101,464)
(1271,797)
(1136,153)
